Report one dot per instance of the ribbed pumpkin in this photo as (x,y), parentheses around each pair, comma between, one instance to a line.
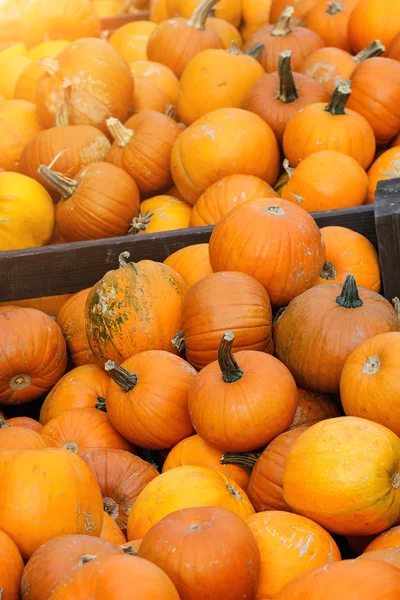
(147,401)
(387,539)
(347,252)
(115,309)
(191,262)
(171,492)
(386,166)
(111,532)
(25,422)
(332,477)
(18,125)
(11,568)
(71,320)
(223,142)
(21,438)
(253,238)
(156,86)
(330,20)
(161,213)
(208,311)
(319,329)
(371,20)
(130,40)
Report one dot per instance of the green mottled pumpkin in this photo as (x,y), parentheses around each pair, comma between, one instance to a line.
(134,308)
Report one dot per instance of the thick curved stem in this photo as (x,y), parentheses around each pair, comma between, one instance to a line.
(121,134)
(178,341)
(201,14)
(334,8)
(339,98)
(349,297)
(245,460)
(231,372)
(376,48)
(63,185)
(255,50)
(282,26)
(121,376)
(289,170)
(287,87)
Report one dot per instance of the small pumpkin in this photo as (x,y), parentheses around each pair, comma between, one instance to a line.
(301,9)
(255,14)
(130,40)
(371,20)
(51,305)
(388,555)
(18,125)
(47,48)
(71,320)
(161,213)
(156,86)
(330,20)
(226,31)
(11,68)
(387,539)
(11,568)
(25,85)
(25,422)
(394,48)
(191,262)
(386,166)
(111,532)
(20,438)
(312,407)
(229,10)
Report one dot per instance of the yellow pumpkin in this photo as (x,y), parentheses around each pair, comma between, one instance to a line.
(18,125)
(25,88)
(14,50)
(48,48)
(161,213)
(10,69)
(130,40)
(107,8)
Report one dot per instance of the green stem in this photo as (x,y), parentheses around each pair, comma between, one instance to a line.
(231,372)
(349,297)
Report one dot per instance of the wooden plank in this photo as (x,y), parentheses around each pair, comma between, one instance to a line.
(387,222)
(68,268)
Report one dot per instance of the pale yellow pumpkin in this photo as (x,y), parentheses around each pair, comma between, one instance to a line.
(48,48)
(10,69)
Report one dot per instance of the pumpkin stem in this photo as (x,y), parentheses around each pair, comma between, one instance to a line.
(140,223)
(62,116)
(334,8)
(3,423)
(282,26)
(289,170)
(111,508)
(178,341)
(63,185)
(121,134)
(72,447)
(287,87)
(339,98)
(396,304)
(121,376)
(255,50)
(376,48)
(50,65)
(234,49)
(20,382)
(245,460)
(349,297)
(230,370)
(201,14)
(170,111)
(101,404)
(123,259)
(85,558)
(328,271)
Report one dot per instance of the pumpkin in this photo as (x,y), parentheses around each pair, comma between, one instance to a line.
(217,79)
(255,14)
(117,578)
(161,213)
(50,305)
(33,355)
(388,555)
(18,125)
(151,412)
(373,20)
(265,488)
(20,438)
(29,478)
(11,568)
(387,539)
(330,127)
(25,86)
(119,324)
(143,147)
(226,193)
(347,489)
(283,36)
(99,81)
(277,223)
(17,49)
(289,545)
(174,42)
(226,31)
(111,532)
(252,391)
(47,48)
(130,40)
(170,492)
(82,429)
(71,320)
(329,322)
(192,263)
(315,184)
(347,252)
(301,9)
(156,86)
(10,69)
(121,477)
(44,20)
(330,20)
(208,312)
(394,49)
(379,105)
(386,166)
(82,387)
(58,559)
(224,142)
(371,580)
(25,422)
(229,10)
(195,451)
(158,11)
(131,547)
(221,557)
(312,408)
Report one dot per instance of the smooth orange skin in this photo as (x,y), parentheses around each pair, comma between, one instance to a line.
(223,142)
(130,40)
(349,491)
(226,193)
(394,49)
(30,343)
(149,97)
(388,555)
(154,414)
(71,320)
(387,539)
(208,312)
(332,28)
(205,548)
(158,11)
(289,546)
(301,9)
(315,332)
(79,388)
(29,481)
(19,123)
(380,106)
(350,252)
(51,305)
(194,450)
(57,560)
(265,488)
(258,407)
(315,184)
(25,422)
(256,12)
(329,66)
(386,166)
(121,477)
(192,263)
(348,579)
(111,532)
(226,31)
(11,568)
(312,408)
(314,129)
(253,238)
(155,86)
(185,487)
(22,438)
(10,69)
(373,20)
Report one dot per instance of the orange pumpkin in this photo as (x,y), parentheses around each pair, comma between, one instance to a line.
(156,86)
(301,9)
(278,223)
(255,14)
(223,142)
(386,166)
(130,40)
(161,213)
(394,49)
(10,69)
(25,87)
(18,125)
(226,31)
(71,320)
(347,252)
(388,555)
(151,412)
(21,438)
(312,408)
(289,545)
(222,556)
(387,539)
(192,263)
(111,532)
(11,568)
(121,477)
(51,305)
(170,492)
(329,322)
(315,184)
(229,10)
(373,20)
(349,490)
(25,422)
(33,355)
(330,21)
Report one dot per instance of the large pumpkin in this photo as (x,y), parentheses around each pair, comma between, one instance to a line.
(71,320)
(18,125)
(373,20)
(386,166)
(21,438)
(11,568)
(319,329)
(191,262)
(332,477)
(134,308)
(255,237)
